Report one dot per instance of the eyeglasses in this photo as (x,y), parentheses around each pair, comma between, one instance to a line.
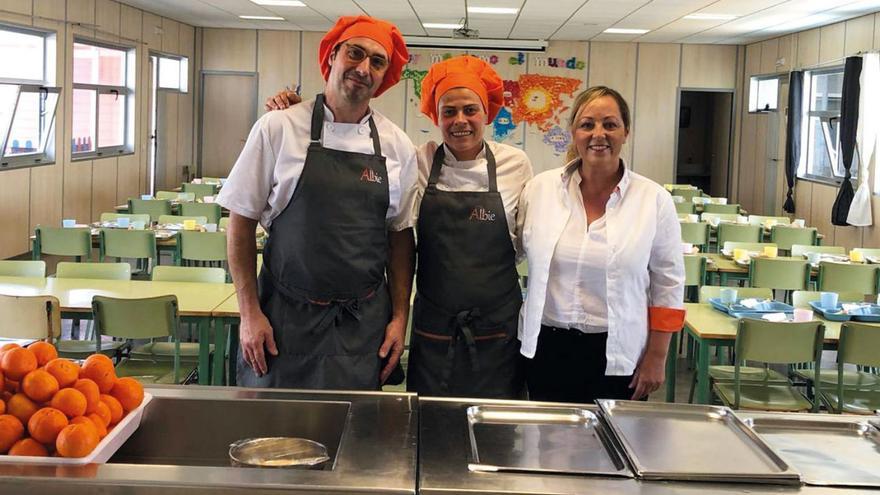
(357,54)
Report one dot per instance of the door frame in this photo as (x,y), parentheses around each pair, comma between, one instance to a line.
(201,128)
(153,109)
(730,132)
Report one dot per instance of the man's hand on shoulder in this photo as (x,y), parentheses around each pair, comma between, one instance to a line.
(283,99)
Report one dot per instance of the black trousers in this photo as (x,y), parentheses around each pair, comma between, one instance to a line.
(569,366)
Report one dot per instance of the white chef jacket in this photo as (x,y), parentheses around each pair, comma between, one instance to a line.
(645,270)
(512,170)
(268,169)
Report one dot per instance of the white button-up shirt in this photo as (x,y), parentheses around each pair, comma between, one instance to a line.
(644,270)
(576,290)
(267,171)
(512,170)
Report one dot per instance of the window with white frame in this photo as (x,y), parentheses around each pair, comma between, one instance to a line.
(173,72)
(820,126)
(103,100)
(27,97)
(763,93)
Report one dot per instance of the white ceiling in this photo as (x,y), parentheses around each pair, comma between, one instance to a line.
(538,19)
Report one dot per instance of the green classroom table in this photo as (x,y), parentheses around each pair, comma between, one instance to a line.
(196,301)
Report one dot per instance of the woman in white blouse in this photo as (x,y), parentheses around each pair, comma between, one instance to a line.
(606,274)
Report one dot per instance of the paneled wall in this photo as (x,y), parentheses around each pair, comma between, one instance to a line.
(757,157)
(648,76)
(84,189)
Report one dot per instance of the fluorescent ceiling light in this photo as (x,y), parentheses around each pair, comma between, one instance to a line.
(261,17)
(486,44)
(440,25)
(280,3)
(711,17)
(493,10)
(625,31)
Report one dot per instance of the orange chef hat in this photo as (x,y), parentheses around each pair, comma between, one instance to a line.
(464,71)
(382,32)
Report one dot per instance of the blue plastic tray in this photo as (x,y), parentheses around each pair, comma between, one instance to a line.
(835,314)
(867,313)
(764,307)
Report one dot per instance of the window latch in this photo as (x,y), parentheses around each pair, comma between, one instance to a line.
(115,93)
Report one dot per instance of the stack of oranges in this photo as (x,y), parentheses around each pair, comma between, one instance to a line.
(54,406)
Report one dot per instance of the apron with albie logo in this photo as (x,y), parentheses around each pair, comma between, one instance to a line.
(467,303)
(322,285)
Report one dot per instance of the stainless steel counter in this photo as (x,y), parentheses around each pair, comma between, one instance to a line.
(182,443)
(444,455)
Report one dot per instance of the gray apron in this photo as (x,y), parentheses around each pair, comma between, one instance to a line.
(322,285)
(467,304)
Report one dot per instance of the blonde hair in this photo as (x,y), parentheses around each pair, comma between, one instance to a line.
(587,96)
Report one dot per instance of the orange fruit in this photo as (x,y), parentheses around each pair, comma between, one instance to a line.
(99,357)
(2,379)
(2,407)
(129,392)
(45,424)
(116,411)
(44,352)
(85,420)
(77,440)
(99,424)
(39,386)
(64,370)
(89,389)
(99,368)
(20,406)
(29,446)
(70,401)
(11,430)
(102,410)
(18,362)
(6,347)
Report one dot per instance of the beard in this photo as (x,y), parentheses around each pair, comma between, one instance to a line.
(353,92)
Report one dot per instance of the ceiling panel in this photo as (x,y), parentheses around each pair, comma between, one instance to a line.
(655,15)
(537,19)
(397,11)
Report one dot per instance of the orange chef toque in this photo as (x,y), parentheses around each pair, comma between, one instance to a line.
(382,32)
(464,71)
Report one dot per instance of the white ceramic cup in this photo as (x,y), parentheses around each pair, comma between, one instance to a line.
(210,227)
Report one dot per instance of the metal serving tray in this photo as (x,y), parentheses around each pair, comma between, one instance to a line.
(564,440)
(835,451)
(692,442)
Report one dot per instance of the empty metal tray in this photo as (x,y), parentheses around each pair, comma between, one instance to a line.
(827,451)
(691,442)
(541,440)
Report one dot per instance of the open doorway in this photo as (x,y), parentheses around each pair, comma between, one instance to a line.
(169,77)
(704,125)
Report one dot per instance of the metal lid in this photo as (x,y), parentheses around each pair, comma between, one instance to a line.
(278,452)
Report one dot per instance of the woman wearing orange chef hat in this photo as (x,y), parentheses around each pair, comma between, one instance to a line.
(464,340)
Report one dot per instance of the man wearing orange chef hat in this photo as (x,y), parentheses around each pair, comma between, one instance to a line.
(464,340)
(330,181)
